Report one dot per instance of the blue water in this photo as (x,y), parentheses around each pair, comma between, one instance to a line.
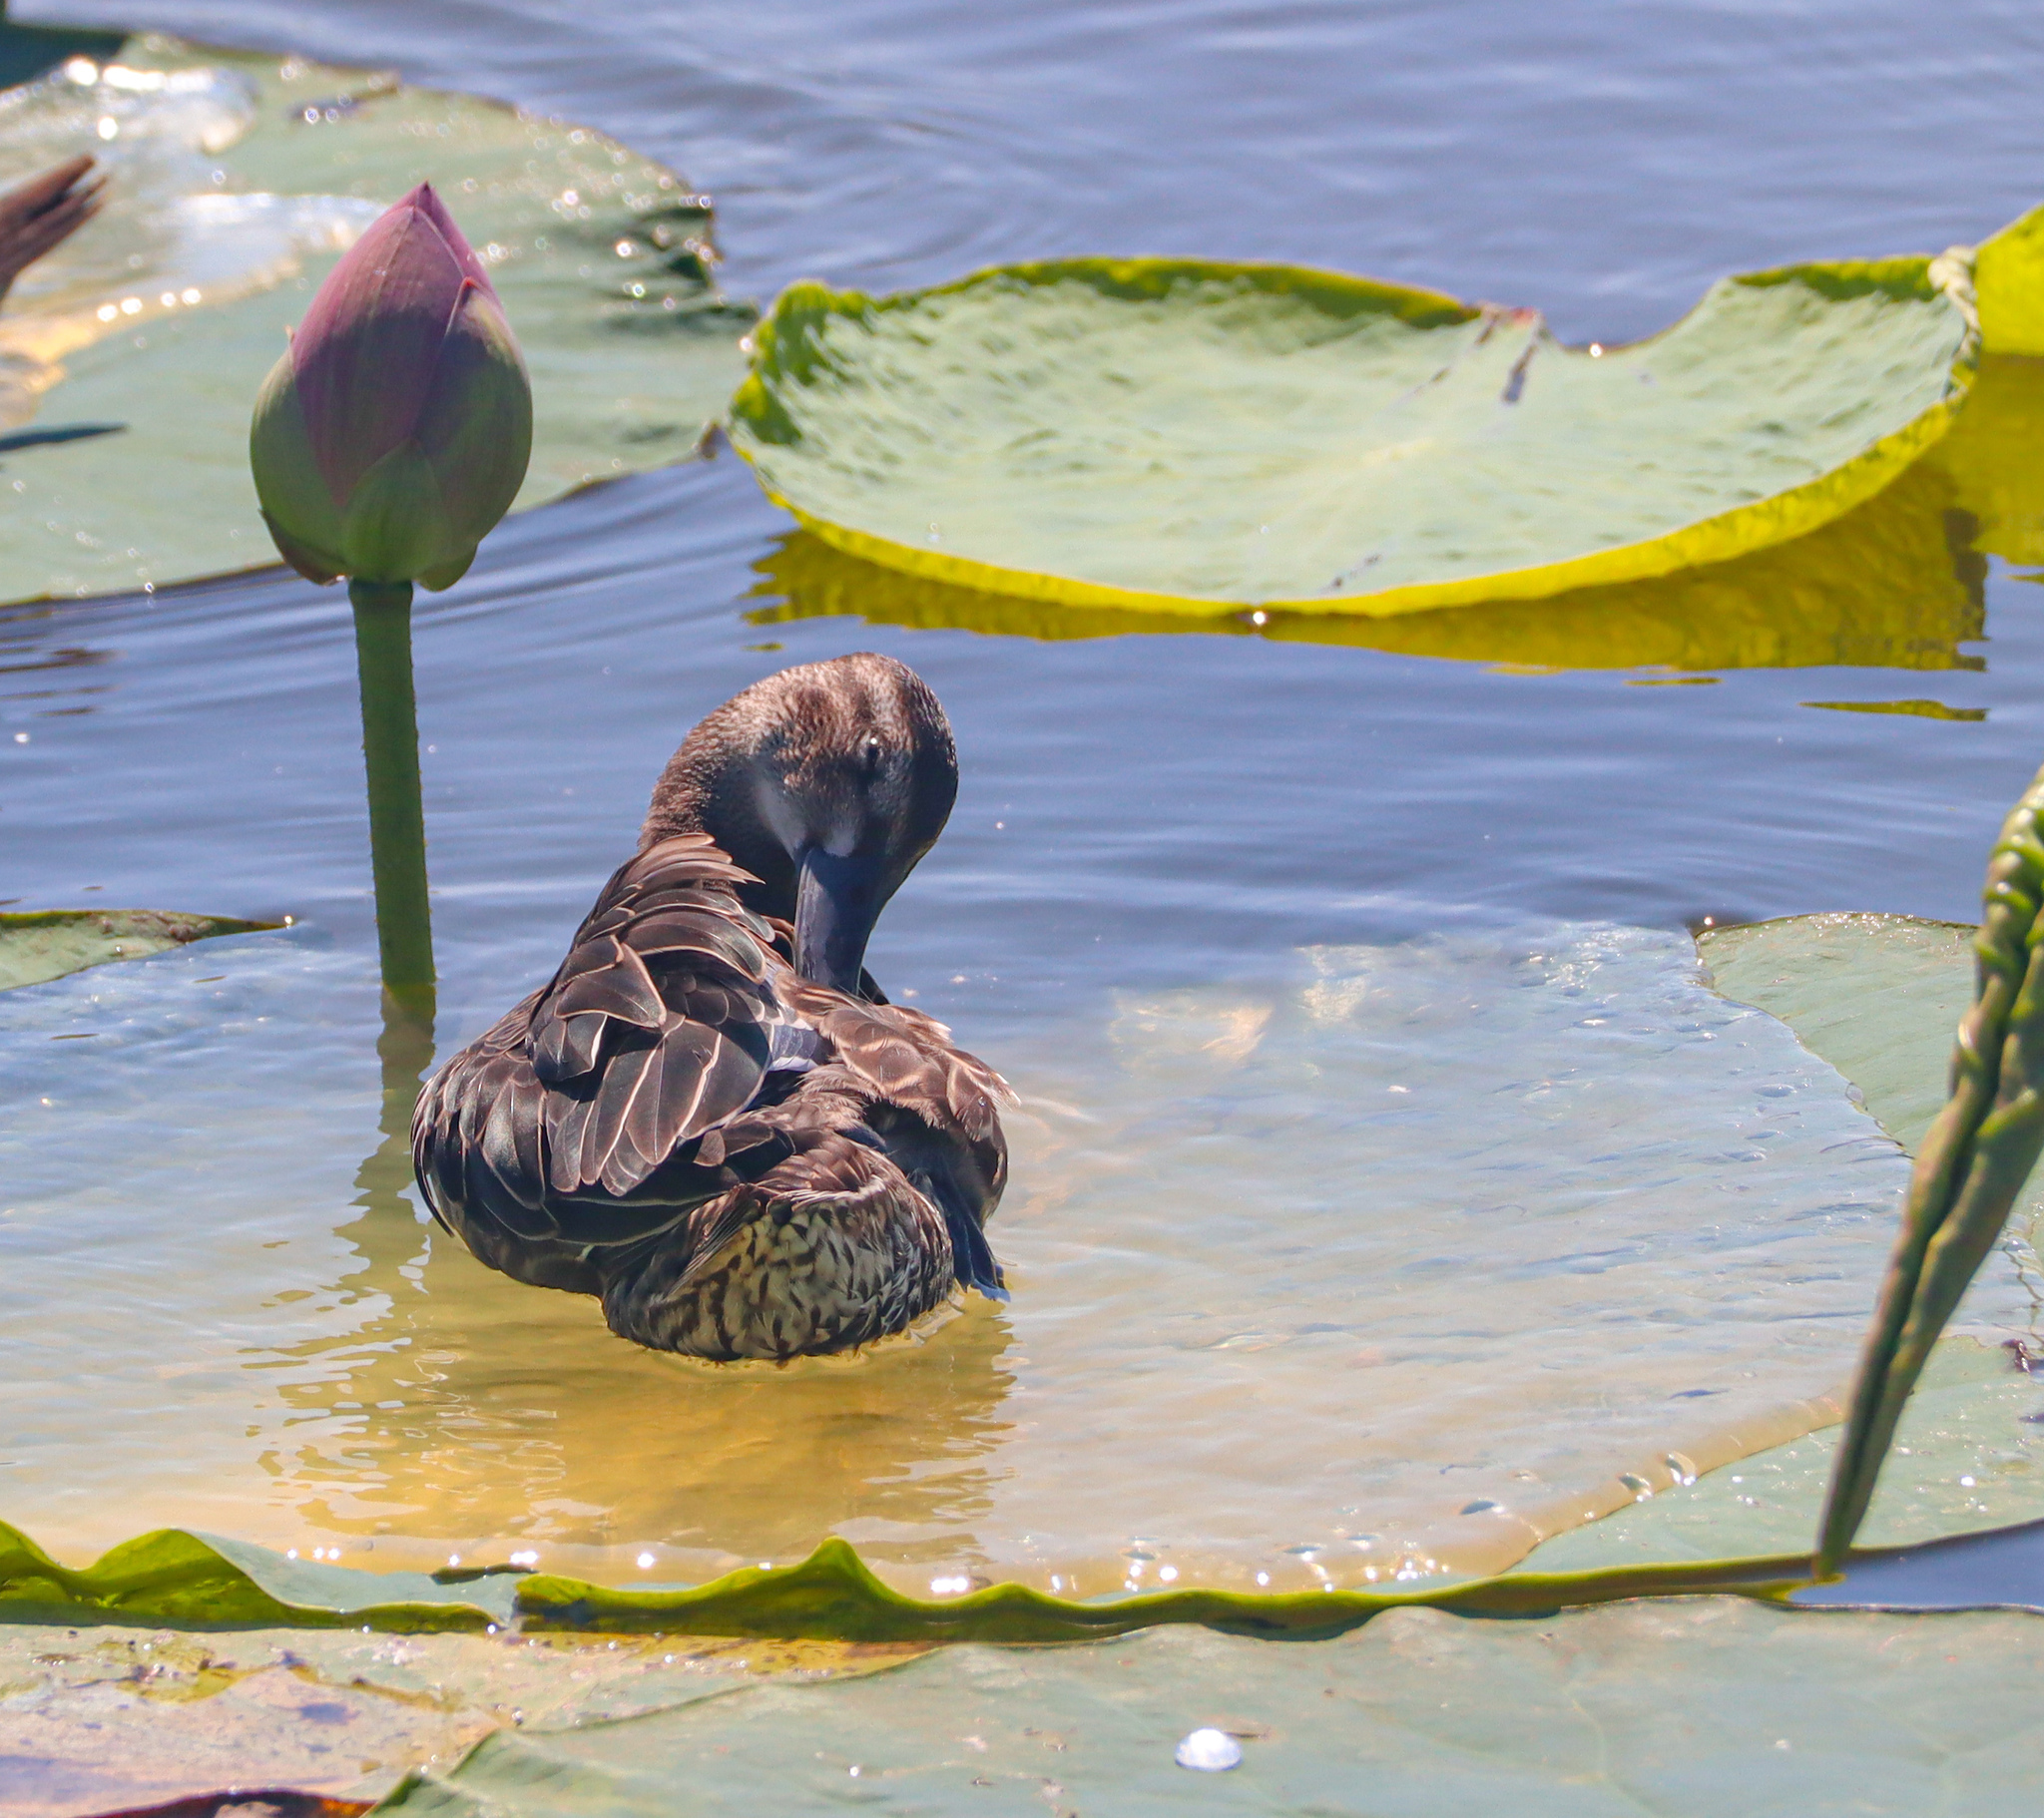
(1602,162)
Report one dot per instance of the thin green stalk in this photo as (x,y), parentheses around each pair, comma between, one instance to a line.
(1972,1163)
(397,826)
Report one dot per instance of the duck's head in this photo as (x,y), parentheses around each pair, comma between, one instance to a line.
(828,782)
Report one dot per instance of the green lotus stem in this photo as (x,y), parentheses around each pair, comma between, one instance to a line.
(398,825)
(1972,1164)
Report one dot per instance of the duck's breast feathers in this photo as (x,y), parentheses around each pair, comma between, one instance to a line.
(831,1247)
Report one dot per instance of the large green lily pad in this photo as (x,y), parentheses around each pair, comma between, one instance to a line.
(1174,436)
(235,181)
(1895,582)
(44,944)
(1704,1706)
(1697,1709)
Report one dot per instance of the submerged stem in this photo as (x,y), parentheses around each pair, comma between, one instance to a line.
(397,827)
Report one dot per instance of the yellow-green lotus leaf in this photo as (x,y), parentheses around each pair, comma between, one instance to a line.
(1179,436)
(1895,582)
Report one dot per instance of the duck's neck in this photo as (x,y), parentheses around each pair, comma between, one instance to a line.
(703,793)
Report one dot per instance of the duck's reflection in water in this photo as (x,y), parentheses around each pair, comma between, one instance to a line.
(468,1414)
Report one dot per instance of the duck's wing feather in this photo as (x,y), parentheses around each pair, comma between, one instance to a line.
(908,1057)
(949,1141)
(658,1027)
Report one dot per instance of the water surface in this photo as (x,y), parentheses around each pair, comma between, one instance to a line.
(1164,847)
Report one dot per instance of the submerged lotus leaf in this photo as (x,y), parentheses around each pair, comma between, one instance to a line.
(44,944)
(237,179)
(1557,1181)
(1177,437)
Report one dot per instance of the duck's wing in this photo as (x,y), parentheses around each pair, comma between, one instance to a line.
(950,1141)
(908,1056)
(537,1142)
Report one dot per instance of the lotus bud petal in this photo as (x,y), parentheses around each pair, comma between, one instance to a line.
(396,431)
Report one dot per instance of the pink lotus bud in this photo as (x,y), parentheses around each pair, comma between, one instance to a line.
(396,431)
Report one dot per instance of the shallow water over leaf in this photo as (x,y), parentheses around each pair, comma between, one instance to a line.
(1393,1263)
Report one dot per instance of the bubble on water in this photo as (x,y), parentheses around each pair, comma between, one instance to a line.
(1209,1751)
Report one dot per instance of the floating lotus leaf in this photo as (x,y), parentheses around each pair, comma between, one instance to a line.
(1689,1702)
(1893,583)
(1567,1712)
(1159,436)
(1686,1711)
(46,944)
(236,180)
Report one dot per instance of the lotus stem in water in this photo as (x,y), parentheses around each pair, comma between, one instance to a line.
(397,826)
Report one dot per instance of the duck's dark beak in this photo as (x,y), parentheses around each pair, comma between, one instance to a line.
(837,901)
(973,1257)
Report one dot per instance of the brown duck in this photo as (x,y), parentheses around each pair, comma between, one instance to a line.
(709,1117)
